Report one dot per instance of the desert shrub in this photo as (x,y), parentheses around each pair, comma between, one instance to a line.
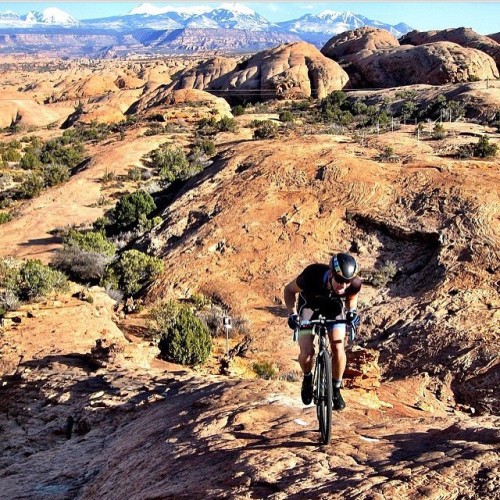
(11,154)
(132,271)
(227,124)
(438,132)
(238,110)
(465,151)
(155,129)
(265,370)
(265,130)
(387,154)
(30,160)
(9,301)
(4,217)
(84,256)
(483,148)
(37,279)
(9,273)
(383,274)
(32,185)
(199,300)
(182,337)
(90,241)
(213,317)
(205,146)
(170,162)
(336,99)
(134,174)
(132,209)
(55,174)
(62,152)
(81,264)
(357,107)
(408,110)
(286,116)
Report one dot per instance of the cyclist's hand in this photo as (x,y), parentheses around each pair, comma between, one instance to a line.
(353,319)
(294,321)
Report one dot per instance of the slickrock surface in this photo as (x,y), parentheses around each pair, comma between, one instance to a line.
(78,425)
(187,104)
(465,37)
(435,63)
(361,39)
(291,70)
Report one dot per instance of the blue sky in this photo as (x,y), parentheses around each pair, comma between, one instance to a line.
(483,17)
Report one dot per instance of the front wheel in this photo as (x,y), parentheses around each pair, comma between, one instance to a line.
(324,394)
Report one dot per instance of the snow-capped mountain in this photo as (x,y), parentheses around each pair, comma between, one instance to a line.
(231,16)
(333,23)
(148,9)
(48,17)
(8,15)
(152,29)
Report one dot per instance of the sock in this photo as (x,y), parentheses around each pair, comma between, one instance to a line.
(337,384)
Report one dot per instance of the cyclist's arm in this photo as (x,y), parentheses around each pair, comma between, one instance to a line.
(351,302)
(291,291)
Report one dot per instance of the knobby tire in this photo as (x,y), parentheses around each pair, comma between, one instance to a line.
(324,394)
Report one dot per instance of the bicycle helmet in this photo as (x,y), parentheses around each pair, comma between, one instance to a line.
(344,267)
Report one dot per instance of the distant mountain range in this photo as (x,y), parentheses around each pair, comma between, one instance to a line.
(147,28)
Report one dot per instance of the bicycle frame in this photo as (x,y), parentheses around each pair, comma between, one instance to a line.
(323,386)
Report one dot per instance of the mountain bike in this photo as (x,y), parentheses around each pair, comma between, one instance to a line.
(322,382)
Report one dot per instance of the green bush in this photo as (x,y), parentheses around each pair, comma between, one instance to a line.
(384,274)
(265,130)
(32,185)
(265,370)
(132,271)
(206,146)
(238,110)
(4,217)
(37,279)
(63,151)
(133,208)
(183,338)
(11,154)
(90,241)
(483,148)
(55,174)
(30,161)
(227,124)
(286,116)
(170,162)
(438,132)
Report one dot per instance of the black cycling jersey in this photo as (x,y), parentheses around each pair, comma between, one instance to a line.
(315,294)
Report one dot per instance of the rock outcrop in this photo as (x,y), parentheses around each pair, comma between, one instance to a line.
(201,76)
(495,36)
(17,109)
(293,70)
(434,64)
(355,41)
(188,104)
(464,37)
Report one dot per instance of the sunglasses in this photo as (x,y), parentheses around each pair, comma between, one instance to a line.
(340,279)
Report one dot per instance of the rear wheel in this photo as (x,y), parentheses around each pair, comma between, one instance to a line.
(324,394)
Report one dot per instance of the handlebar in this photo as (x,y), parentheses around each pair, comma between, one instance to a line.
(323,321)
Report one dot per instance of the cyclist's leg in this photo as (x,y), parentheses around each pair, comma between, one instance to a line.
(339,359)
(337,341)
(306,343)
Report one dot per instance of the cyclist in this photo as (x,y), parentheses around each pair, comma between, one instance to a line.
(332,291)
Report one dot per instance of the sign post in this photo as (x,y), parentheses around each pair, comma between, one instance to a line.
(226,323)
